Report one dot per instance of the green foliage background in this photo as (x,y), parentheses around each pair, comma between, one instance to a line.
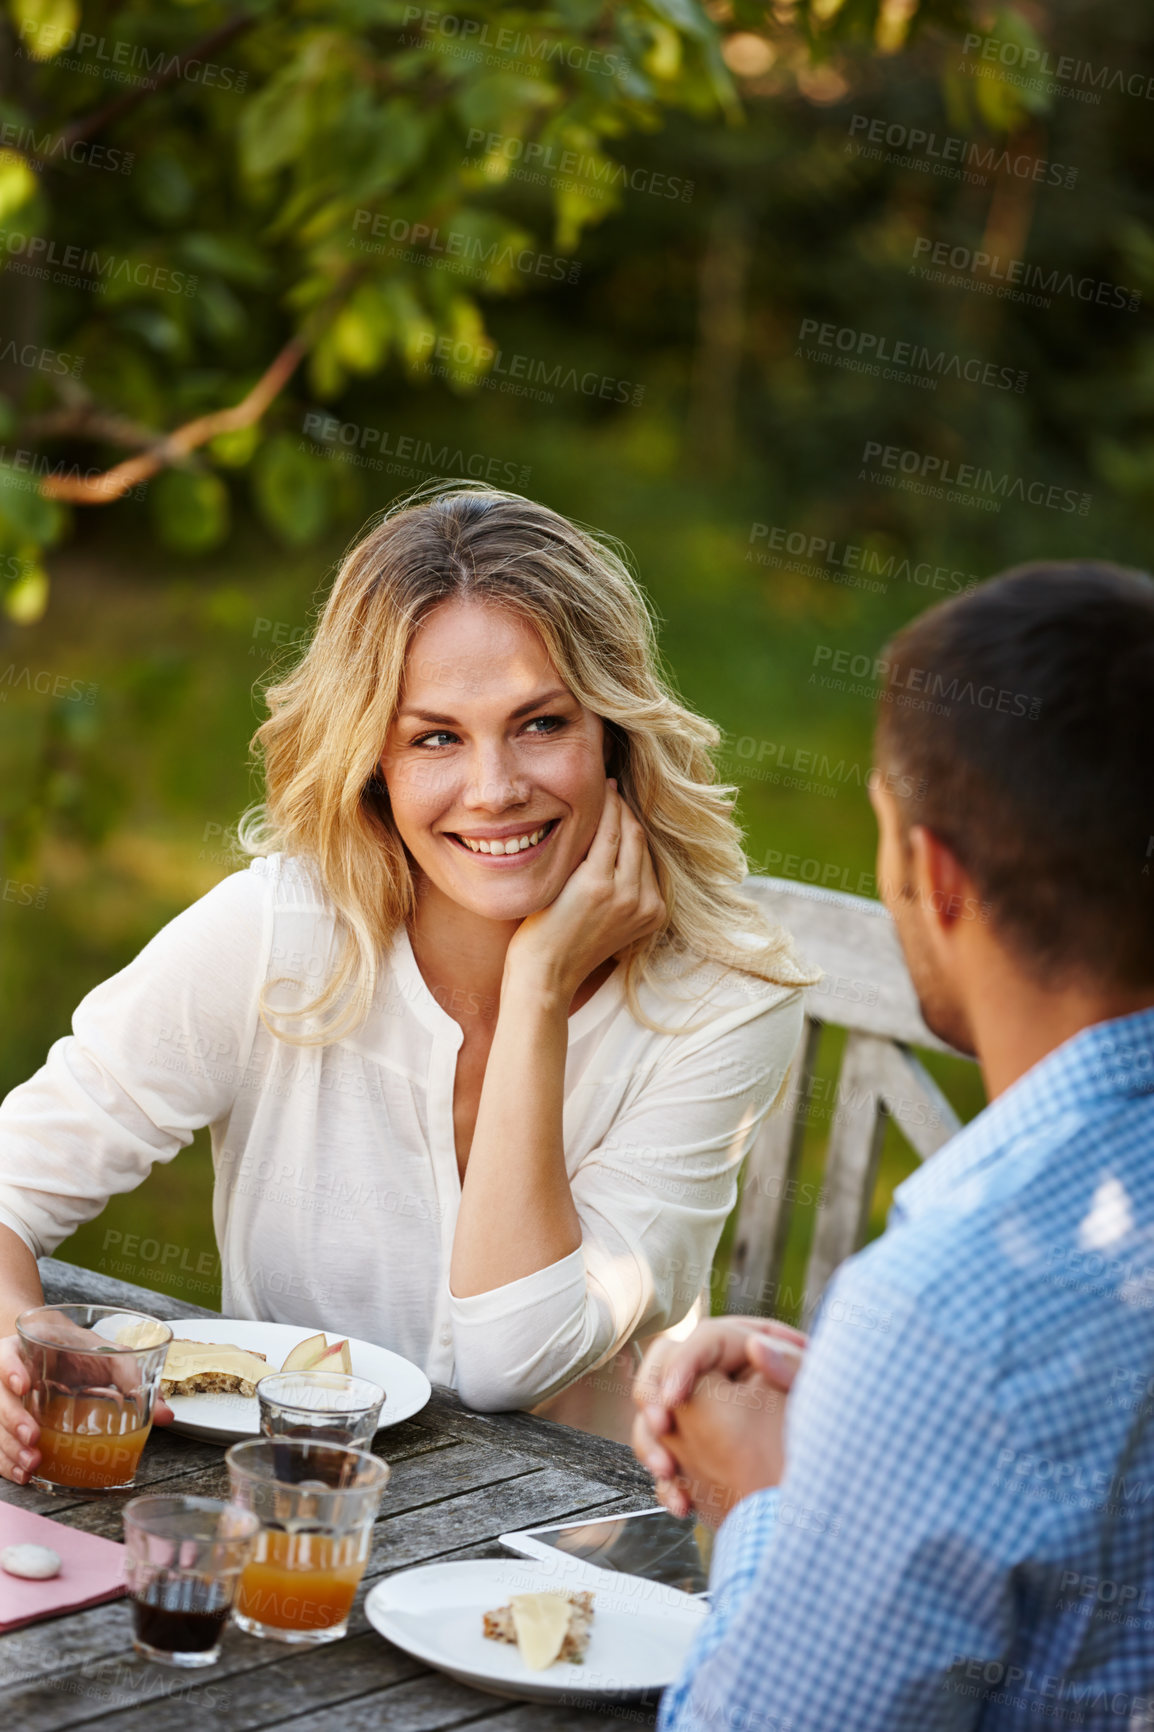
(129,682)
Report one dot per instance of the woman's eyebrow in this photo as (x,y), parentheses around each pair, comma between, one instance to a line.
(536,703)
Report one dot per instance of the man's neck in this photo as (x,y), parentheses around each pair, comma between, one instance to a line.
(1016,1023)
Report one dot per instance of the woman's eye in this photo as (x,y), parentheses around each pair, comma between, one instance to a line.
(545,724)
(439,737)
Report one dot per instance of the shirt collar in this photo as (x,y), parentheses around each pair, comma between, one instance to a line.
(1106,1062)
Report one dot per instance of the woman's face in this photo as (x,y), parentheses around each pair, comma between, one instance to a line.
(496,774)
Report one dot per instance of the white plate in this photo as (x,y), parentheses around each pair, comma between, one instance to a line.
(641,1631)
(226,1418)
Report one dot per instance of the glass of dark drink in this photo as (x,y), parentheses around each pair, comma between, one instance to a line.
(185,1555)
(325,1406)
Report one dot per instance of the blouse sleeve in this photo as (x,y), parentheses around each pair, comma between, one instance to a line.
(651,1200)
(155,1052)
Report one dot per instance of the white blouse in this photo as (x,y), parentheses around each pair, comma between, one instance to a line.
(337,1188)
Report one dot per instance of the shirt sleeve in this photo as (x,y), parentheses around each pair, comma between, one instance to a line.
(882,1582)
(155,1052)
(651,1199)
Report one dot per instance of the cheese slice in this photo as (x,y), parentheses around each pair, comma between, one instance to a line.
(541,1621)
(207,1365)
(148,1332)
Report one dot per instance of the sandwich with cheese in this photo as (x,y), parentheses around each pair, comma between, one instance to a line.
(203,1367)
(546,1628)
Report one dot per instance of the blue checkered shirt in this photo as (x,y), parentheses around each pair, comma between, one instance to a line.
(964,1536)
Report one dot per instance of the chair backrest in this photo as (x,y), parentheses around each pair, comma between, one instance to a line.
(866,989)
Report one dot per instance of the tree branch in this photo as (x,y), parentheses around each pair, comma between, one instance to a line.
(115,482)
(122,105)
(89,421)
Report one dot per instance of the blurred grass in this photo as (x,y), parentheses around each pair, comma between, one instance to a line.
(142,786)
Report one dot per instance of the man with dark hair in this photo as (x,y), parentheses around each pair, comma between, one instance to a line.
(963,1534)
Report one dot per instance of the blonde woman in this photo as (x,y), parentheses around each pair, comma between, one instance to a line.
(486,1027)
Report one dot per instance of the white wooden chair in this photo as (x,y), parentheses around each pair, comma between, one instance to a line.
(866,990)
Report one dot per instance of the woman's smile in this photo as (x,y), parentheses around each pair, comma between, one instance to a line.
(506,846)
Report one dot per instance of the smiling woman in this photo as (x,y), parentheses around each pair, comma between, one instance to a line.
(486,1028)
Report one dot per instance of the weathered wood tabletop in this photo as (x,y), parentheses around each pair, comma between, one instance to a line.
(459,1479)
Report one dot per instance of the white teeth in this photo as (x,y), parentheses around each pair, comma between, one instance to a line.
(513,845)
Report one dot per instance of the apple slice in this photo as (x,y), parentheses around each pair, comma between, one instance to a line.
(335,1358)
(306,1355)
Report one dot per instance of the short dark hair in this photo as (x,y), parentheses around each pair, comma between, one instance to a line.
(1019,722)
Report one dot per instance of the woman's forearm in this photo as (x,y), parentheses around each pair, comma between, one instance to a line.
(517,1213)
(20,1287)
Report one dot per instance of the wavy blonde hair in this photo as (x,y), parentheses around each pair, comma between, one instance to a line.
(327,804)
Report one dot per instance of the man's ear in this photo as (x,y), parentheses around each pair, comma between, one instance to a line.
(940,883)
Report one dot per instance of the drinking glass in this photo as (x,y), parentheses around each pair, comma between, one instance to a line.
(317,1504)
(184,1555)
(328,1406)
(95,1372)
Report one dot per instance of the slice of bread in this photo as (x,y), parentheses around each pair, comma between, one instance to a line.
(498,1626)
(211,1367)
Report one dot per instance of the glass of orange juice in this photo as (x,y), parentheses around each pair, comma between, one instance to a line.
(317,1503)
(95,1372)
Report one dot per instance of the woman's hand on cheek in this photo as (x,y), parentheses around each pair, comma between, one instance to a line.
(608,902)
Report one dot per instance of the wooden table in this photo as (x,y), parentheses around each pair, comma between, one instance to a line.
(459,1479)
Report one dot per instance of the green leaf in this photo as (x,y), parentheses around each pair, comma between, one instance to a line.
(26,599)
(46,27)
(190,510)
(275,127)
(401,140)
(291,489)
(495,103)
(164,187)
(17,183)
(235,449)
(363,329)
(683,15)
(233,257)
(24,515)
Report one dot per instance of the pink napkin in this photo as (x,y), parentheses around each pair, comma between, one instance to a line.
(91,1569)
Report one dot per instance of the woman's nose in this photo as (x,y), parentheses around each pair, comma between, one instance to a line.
(495,780)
